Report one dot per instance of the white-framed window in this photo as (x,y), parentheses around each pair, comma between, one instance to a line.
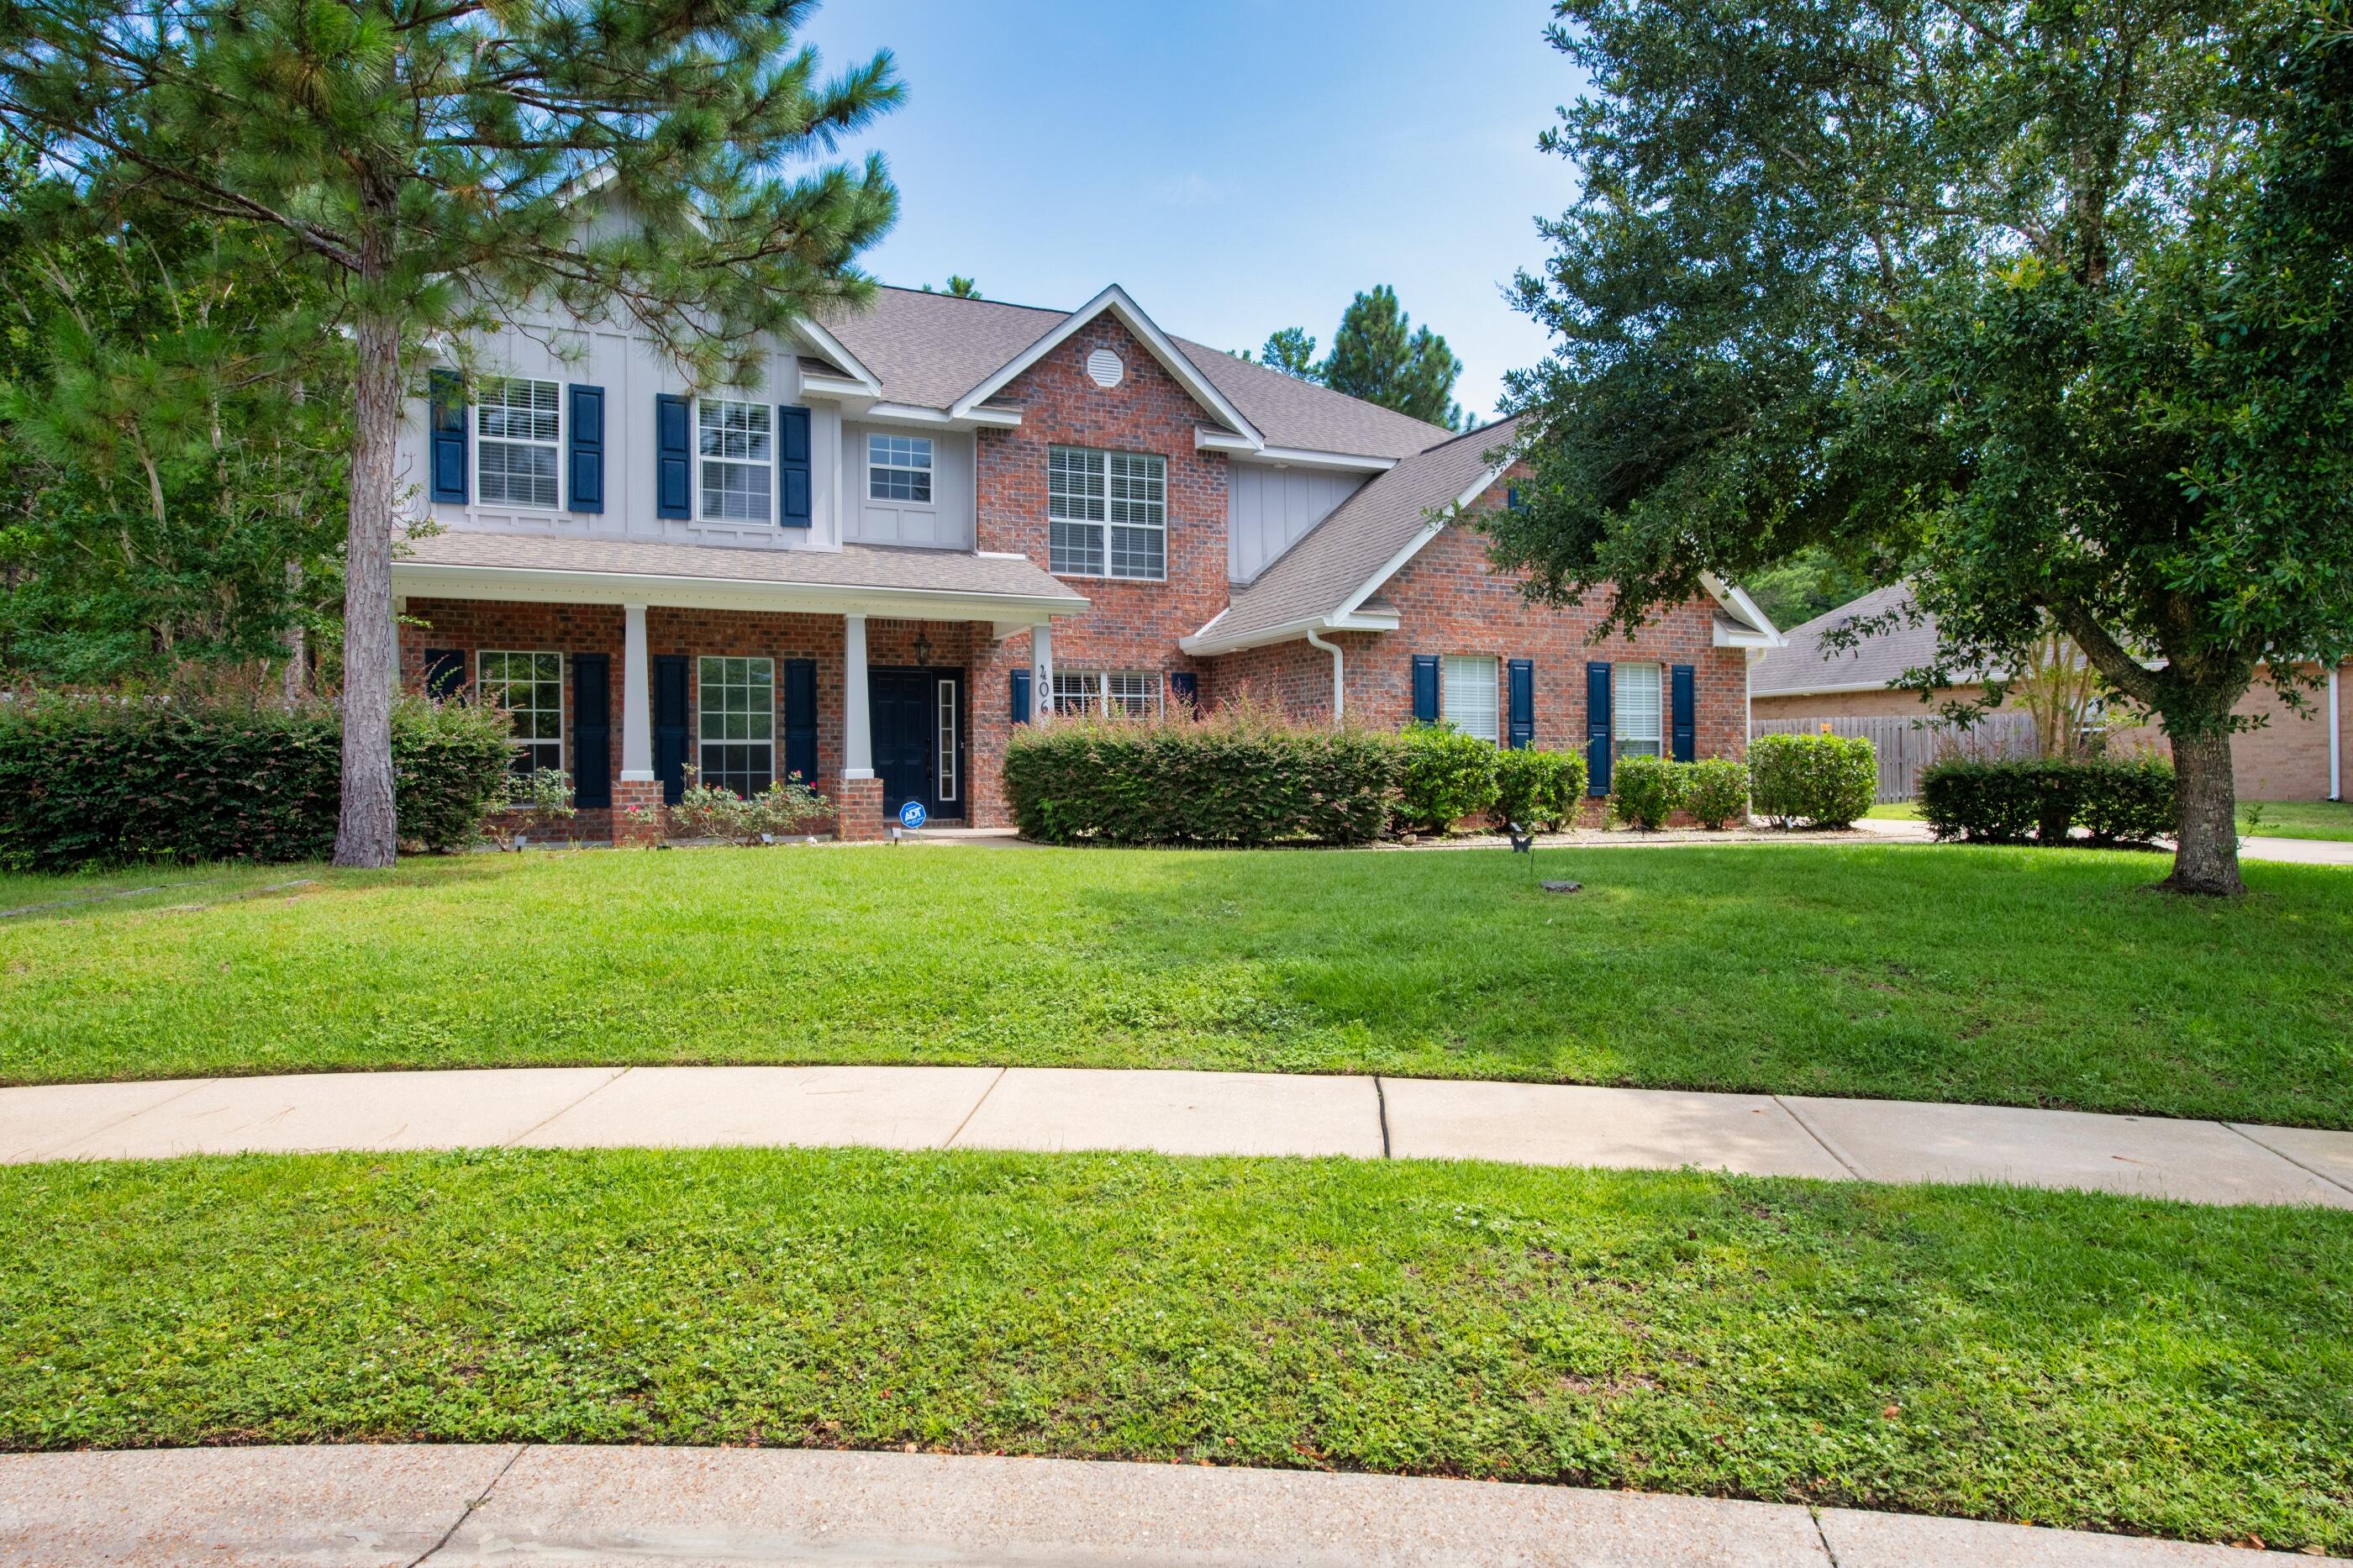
(517,429)
(530,687)
(1122,693)
(1107,513)
(947,738)
(1635,710)
(736,445)
(899,468)
(1467,699)
(735,715)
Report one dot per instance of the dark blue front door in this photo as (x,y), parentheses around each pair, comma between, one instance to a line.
(917,718)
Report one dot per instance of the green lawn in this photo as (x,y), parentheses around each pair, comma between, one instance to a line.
(2000,975)
(2330,819)
(2063,1358)
(1895,811)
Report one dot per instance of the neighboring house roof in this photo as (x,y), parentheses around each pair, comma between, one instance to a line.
(1331,572)
(1806,666)
(930,351)
(856,571)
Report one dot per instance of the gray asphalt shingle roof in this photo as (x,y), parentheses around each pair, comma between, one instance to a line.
(1807,664)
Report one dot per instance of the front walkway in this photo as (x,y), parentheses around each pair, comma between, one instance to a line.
(1055,1109)
(444,1507)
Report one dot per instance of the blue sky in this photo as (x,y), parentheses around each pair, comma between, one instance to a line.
(1240,165)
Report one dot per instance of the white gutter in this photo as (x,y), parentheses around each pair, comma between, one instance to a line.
(1339,676)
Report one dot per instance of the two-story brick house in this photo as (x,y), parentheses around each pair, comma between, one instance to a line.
(939,518)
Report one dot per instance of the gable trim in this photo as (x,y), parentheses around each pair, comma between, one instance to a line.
(1125,311)
(867,382)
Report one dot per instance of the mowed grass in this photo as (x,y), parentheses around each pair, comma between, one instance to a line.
(2061,1358)
(2327,819)
(2015,977)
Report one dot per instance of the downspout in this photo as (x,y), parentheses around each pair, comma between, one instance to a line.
(2336,740)
(1340,670)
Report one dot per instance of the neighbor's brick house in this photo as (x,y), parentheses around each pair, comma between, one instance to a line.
(942,518)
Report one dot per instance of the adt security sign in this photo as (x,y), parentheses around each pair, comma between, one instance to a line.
(913,815)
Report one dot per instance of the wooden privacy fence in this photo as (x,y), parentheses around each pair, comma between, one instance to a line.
(1907,745)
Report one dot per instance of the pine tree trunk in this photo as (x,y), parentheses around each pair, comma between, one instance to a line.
(367,833)
(2206,860)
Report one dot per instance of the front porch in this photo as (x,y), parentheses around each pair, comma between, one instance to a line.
(638,684)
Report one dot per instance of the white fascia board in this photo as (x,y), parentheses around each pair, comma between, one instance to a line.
(913,414)
(834,348)
(1130,315)
(1207,643)
(1304,457)
(547,586)
(1722,635)
(1733,598)
(1414,546)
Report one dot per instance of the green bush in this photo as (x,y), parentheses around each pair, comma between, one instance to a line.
(2001,801)
(97,779)
(1239,776)
(1826,781)
(1716,791)
(1538,790)
(1447,776)
(1645,790)
(713,811)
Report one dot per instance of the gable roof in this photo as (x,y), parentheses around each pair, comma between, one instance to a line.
(931,350)
(1807,666)
(1331,572)
(1116,302)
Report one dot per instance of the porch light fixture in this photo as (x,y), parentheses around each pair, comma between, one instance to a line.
(923,650)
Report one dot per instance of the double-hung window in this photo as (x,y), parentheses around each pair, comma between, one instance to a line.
(1107,513)
(735,444)
(1469,699)
(737,714)
(530,687)
(517,425)
(1121,693)
(1634,710)
(899,468)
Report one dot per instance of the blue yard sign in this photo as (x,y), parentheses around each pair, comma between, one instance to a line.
(912,814)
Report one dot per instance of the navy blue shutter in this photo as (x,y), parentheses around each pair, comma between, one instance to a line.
(1021,697)
(448,400)
(1683,680)
(669,725)
(586,453)
(445,673)
(1597,729)
(592,729)
(793,509)
(1425,689)
(673,457)
(1523,731)
(1186,687)
(800,719)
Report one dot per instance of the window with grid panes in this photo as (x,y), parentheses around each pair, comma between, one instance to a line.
(517,429)
(735,443)
(899,468)
(530,687)
(1107,513)
(735,710)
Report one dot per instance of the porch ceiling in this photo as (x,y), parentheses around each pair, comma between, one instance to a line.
(858,579)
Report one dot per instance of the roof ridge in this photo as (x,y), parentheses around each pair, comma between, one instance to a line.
(972,299)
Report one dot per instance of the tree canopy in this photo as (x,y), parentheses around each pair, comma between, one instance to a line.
(431,164)
(2047,306)
(1378,355)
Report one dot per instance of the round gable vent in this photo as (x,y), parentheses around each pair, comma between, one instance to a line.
(1104,366)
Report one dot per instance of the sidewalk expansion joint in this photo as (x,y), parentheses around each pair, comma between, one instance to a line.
(467,1513)
(1381,1099)
(949,1141)
(568,1106)
(2282,1153)
(1828,1553)
(1814,1132)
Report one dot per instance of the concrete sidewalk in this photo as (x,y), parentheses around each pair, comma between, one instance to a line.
(1055,1109)
(455,1506)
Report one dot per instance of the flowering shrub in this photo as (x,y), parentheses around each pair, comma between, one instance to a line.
(707,811)
(535,802)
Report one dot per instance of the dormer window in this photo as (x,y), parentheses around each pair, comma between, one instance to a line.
(898,469)
(517,423)
(737,446)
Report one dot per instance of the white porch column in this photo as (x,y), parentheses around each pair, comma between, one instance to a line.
(856,735)
(1042,672)
(637,700)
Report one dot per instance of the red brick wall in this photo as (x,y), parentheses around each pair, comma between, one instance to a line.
(1130,625)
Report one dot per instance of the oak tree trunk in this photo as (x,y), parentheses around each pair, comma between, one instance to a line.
(367,834)
(2206,859)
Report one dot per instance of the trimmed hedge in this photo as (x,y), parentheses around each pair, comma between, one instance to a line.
(1236,777)
(1716,791)
(1645,790)
(1537,789)
(2003,802)
(96,780)
(1447,775)
(1827,781)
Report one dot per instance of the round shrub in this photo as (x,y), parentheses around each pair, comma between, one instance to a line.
(1239,776)
(1716,791)
(1645,792)
(1447,775)
(1826,781)
(1537,789)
